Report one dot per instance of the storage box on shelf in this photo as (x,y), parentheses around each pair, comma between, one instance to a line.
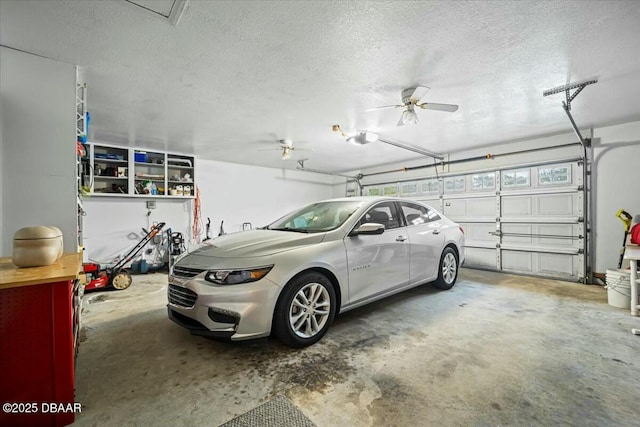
(141,173)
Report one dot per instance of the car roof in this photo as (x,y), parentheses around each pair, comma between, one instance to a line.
(361,199)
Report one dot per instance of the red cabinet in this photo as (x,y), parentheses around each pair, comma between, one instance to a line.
(39,325)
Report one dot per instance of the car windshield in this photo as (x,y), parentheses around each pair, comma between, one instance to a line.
(316,218)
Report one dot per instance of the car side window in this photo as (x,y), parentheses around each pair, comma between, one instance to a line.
(417,214)
(383,213)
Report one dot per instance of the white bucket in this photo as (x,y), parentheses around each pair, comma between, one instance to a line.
(619,288)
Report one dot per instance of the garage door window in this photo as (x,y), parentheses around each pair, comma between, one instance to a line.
(556,175)
(429,186)
(483,181)
(409,189)
(517,178)
(454,184)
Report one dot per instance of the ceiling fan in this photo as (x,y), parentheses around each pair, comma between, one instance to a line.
(410,100)
(286,147)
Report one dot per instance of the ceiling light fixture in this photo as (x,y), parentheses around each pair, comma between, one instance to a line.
(362,138)
(408,116)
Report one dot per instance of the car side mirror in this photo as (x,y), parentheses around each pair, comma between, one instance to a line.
(369,228)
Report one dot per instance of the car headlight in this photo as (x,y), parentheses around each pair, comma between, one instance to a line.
(234,277)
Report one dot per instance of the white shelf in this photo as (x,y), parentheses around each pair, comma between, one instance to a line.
(140,196)
(100,160)
(110,177)
(179,167)
(159,165)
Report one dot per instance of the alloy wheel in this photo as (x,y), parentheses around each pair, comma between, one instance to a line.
(449,268)
(309,310)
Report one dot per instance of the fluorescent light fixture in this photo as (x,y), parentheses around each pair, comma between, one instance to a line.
(362,138)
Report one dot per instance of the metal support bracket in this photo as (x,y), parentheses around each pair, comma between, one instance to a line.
(578,86)
(586,143)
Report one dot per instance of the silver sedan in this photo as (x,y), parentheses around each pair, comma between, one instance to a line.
(292,277)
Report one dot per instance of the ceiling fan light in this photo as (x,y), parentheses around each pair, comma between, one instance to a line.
(286,154)
(370,136)
(409,116)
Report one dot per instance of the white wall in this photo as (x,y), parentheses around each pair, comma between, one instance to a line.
(615,177)
(38,146)
(115,224)
(239,193)
(616,181)
(228,191)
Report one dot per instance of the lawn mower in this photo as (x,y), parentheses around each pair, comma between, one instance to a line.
(116,276)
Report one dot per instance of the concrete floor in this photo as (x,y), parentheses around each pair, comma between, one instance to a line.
(495,350)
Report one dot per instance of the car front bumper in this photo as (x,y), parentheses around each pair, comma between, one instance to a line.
(236,312)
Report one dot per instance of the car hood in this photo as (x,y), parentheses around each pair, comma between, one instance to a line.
(256,243)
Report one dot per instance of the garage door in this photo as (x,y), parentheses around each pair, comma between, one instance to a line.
(527,219)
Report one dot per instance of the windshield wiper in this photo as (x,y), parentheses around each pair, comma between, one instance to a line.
(296,230)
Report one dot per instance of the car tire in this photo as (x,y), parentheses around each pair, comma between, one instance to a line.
(305,310)
(447,270)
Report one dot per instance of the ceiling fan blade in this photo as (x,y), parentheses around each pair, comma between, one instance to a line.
(301,149)
(418,94)
(270,149)
(440,107)
(386,107)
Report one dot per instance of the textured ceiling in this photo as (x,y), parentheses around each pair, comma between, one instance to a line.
(233,76)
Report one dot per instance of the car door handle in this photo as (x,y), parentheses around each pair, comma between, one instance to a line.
(436,231)
(401,238)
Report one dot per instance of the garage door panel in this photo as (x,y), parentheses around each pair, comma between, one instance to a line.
(476,207)
(541,264)
(558,264)
(556,204)
(517,261)
(526,229)
(480,257)
(555,235)
(476,233)
(569,231)
(515,206)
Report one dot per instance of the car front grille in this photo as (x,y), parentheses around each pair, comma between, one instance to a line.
(186,272)
(182,297)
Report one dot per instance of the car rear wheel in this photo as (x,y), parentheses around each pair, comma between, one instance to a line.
(305,310)
(448,271)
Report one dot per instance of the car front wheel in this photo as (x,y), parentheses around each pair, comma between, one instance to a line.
(305,310)
(448,271)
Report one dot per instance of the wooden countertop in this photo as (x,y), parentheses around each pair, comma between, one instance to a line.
(66,268)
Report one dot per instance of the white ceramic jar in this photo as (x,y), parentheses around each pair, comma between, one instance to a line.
(37,246)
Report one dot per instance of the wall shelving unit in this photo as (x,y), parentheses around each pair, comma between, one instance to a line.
(117,171)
